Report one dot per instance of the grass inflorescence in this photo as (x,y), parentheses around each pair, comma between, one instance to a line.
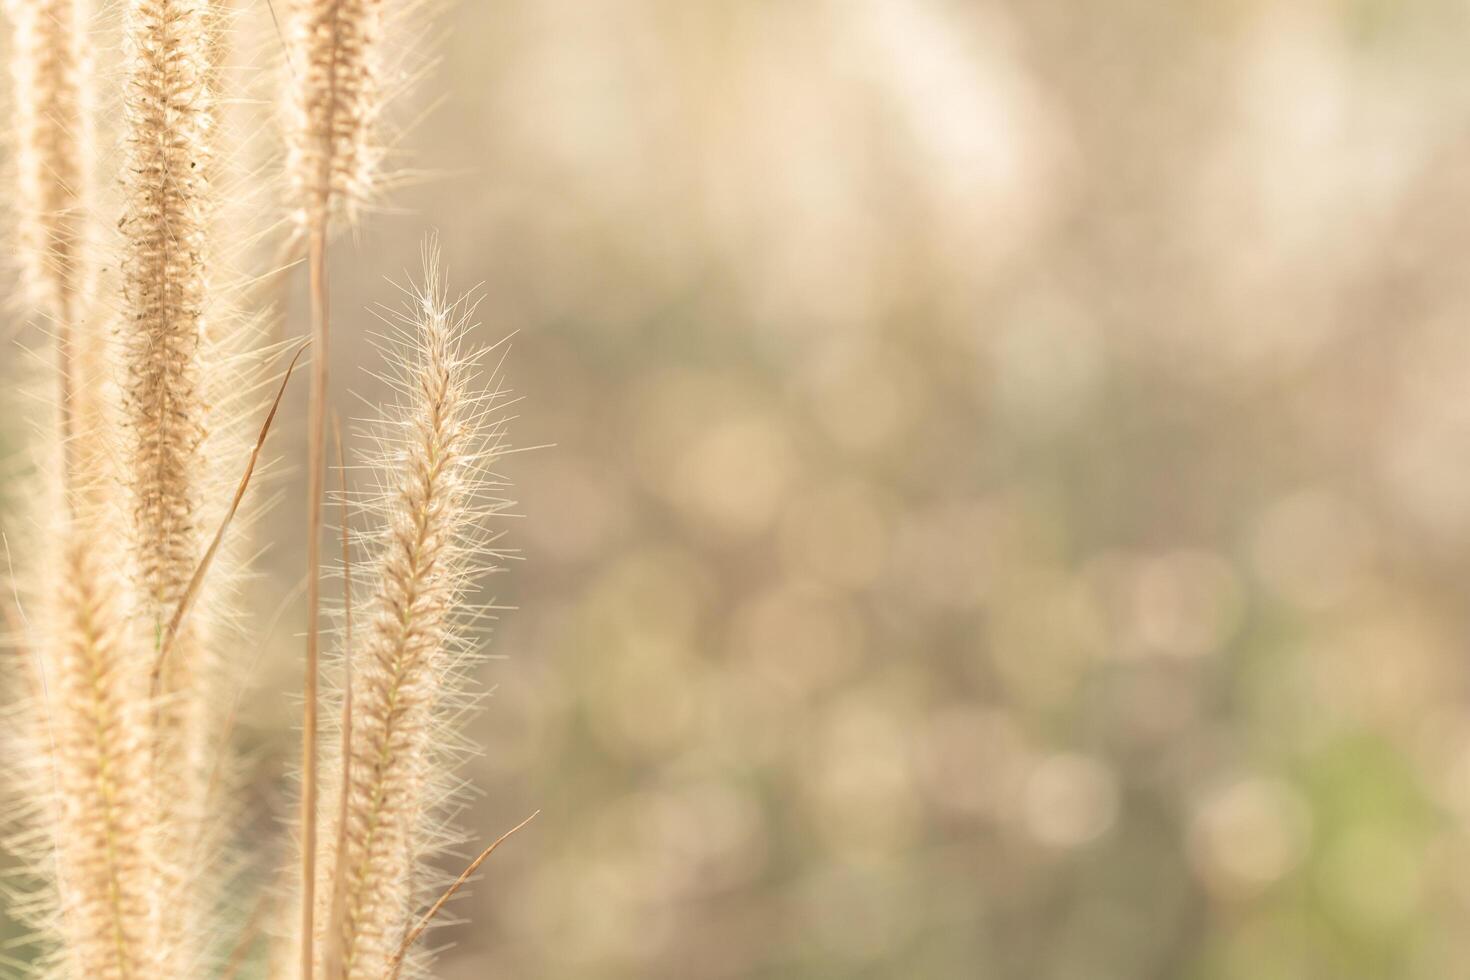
(125,617)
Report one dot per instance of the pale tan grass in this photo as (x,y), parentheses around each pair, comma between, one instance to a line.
(95,712)
(51,69)
(126,748)
(169,107)
(87,711)
(90,720)
(405,665)
(335,48)
(332,154)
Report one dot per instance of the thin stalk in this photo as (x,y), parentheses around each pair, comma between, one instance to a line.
(396,966)
(316,453)
(337,904)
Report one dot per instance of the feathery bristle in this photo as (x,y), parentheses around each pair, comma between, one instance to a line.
(331,154)
(165,281)
(85,727)
(81,760)
(169,109)
(405,662)
(123,744)
(51,68)
(96,727)
(87,717)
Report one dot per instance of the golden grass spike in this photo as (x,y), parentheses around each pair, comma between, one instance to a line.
(92,728)
(96,727)
(404,663)
(89,720)
(168,204)
(335,51)
(51,67)
(169,118)
(90,754)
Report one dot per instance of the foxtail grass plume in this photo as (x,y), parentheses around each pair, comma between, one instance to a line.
(83,765)
(51,69)
(91,724)
(169,109)
(121,743)
(332,156)
(85,724)
(169,118)
(407,659)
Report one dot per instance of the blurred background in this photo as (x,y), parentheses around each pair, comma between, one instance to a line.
(1009,510)
(1007,504)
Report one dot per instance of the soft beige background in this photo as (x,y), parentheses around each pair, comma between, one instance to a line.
(1010,500)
